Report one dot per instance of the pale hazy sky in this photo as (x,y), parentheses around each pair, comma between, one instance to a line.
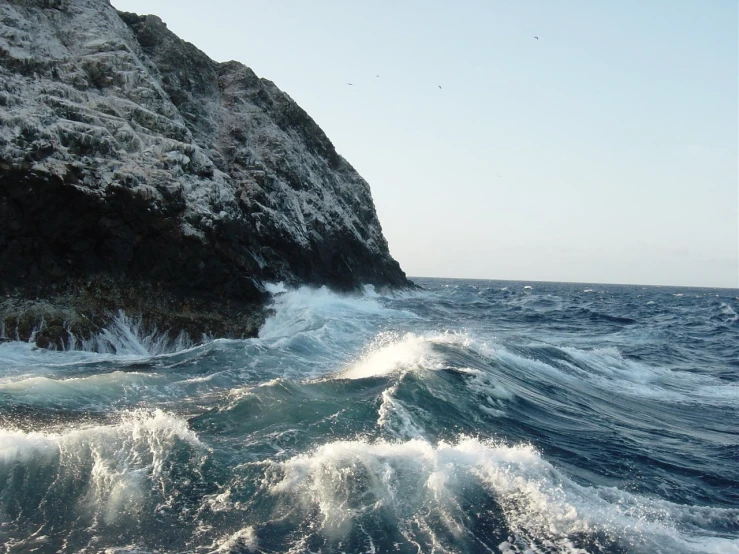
(604,151)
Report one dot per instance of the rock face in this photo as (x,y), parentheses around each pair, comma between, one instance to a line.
(136,173)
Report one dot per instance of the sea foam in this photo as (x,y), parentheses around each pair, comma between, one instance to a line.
(418,485)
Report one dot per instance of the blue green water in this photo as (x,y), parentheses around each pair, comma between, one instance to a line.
(471,416)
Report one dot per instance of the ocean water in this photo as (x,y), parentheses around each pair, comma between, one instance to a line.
(470,416)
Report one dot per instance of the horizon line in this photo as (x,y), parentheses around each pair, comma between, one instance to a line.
(411,277)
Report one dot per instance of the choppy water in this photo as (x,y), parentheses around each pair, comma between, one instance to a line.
(473,416)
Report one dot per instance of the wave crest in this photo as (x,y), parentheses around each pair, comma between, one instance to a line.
(427,491)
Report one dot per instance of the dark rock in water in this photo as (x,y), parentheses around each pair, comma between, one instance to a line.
(136,173)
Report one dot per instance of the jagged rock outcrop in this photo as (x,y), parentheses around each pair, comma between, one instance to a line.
(137,173)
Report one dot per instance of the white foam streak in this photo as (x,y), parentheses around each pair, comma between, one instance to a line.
(395,418)
(486,387)
(607,368)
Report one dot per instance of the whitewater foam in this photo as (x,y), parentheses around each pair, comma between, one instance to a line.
(728,312)
(305,309)
(243,540)
(395,418)
(114,469)
(419,485)
(127,336)
(22,356)
(392,352)
(324,434)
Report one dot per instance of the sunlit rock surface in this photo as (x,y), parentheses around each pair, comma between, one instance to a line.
(136,173)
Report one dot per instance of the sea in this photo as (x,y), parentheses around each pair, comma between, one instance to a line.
(464,416)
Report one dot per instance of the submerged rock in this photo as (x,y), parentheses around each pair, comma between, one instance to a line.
(136,173)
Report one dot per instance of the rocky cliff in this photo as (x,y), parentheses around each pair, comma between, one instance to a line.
(136,173)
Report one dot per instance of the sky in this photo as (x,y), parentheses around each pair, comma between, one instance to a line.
(605,151)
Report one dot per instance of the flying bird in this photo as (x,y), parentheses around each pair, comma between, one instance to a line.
(350,84)
(537,38)
(439,86)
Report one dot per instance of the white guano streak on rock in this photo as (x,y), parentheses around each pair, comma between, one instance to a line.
(107,113)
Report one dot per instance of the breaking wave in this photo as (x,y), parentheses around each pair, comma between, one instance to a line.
(470,416)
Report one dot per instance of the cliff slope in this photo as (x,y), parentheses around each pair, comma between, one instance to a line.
(137,173)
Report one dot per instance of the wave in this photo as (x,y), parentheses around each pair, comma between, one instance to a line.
(609,318)
(424,406)
(726,313)
(392,352)
(94,392)
(607,368)
(308,309)
(243,540)
(444,497)
(389,353)
(103,476)
(395,418)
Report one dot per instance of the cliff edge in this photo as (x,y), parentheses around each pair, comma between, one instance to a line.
(136,173)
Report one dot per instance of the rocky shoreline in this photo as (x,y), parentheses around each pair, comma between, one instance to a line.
(64,319)
(85,259)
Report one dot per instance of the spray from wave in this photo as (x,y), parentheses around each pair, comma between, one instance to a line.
(463,418)
(446,496)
